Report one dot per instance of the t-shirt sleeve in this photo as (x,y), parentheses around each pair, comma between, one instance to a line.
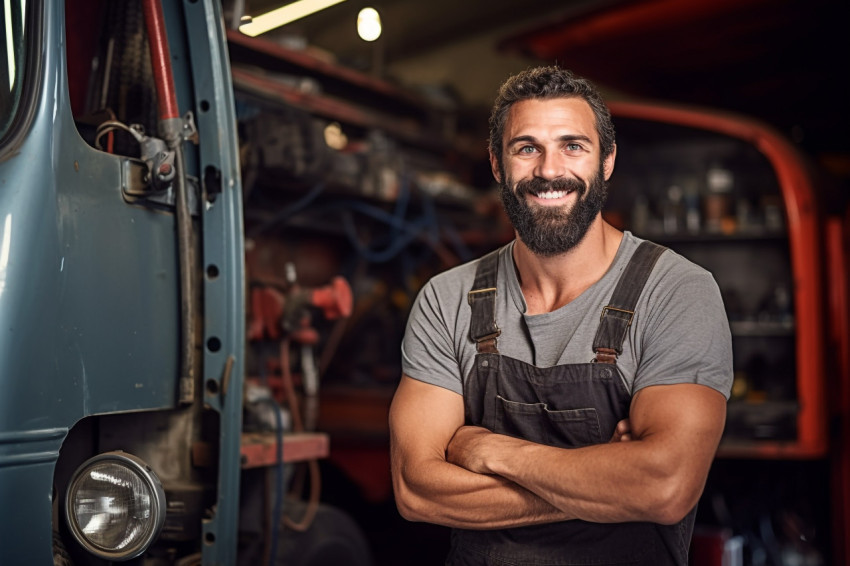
(686,338)
(427,351)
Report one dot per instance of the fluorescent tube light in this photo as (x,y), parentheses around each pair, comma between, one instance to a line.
(285,15)
(10,43)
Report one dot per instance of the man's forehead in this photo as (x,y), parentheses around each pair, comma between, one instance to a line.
(569,115)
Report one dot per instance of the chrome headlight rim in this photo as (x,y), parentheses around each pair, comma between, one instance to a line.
(157,502)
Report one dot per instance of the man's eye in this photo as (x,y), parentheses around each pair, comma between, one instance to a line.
(573,147)
(527,149)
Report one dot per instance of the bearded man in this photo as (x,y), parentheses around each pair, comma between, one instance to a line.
(562,397)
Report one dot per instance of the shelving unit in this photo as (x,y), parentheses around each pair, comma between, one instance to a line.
(754,226)
(395,177)
(307,82)
(395,146)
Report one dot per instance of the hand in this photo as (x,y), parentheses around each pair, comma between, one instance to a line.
(623,431)
(466,448)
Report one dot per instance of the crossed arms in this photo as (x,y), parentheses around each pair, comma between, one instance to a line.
(467,477)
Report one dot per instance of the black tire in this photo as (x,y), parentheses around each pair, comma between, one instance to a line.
(60,553)
(333,539)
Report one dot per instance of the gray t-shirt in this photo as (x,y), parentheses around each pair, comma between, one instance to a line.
(679,333)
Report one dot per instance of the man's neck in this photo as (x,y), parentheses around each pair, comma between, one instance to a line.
(548,283)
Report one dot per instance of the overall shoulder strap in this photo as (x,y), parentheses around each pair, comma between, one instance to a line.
(482,298)
(617,315)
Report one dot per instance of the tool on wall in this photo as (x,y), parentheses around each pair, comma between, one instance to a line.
(285,316)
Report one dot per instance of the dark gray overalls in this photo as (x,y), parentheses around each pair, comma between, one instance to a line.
(567,406)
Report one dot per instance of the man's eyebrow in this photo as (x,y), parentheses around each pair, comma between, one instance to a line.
(521,139)
(564,138)
(575,137)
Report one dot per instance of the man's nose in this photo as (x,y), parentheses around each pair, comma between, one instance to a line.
(550,166)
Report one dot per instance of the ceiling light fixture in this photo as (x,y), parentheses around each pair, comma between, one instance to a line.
(369,24)
(285,15)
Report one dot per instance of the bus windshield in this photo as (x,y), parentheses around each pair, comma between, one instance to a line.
(12,66)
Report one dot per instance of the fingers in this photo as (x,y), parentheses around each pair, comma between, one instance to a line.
(622,432)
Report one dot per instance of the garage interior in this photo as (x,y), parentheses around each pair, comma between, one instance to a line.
(365,172)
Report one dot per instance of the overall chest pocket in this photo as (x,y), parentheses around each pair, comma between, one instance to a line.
(569,428)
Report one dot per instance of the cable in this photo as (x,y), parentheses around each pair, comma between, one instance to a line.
(110,125)
(452,235)
(278,492)
(411,232)
(291,210)
(427,227)
(298,426)
(271,526)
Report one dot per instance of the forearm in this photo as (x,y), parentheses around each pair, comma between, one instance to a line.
(442,493)
(428,488)
(659,476)
(606,483)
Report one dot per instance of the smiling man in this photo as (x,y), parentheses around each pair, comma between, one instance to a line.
(563,396)
(545,222)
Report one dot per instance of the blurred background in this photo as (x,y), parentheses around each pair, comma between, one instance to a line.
(365,172)
(367,159)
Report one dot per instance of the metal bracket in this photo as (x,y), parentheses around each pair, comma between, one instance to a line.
(136,188)
(150,178)
(189,132)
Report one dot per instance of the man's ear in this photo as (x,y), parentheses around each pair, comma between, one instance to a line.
(494,167)
(608,164)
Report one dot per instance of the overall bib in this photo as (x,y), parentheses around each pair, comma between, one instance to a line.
(568,406)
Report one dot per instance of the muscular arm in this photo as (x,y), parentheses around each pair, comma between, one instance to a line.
(658,476)
(423,419)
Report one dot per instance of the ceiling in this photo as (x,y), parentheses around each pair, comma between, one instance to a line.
(449,44)
(783,61)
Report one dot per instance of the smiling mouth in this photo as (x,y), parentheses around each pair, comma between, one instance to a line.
(552,194)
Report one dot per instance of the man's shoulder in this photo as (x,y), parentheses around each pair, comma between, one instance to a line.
(671,264)
(674,267)
(675,274)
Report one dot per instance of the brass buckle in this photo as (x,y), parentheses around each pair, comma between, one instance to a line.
(610,308)
(492,336)
(475,291)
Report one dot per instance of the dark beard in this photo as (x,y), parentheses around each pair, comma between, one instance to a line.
(549,231)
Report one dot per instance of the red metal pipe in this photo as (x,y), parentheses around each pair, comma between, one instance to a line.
(626,20)
(839,325)
(804,240)
(170,129)
(160,60)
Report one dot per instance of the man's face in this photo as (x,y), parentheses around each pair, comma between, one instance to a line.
(552,177)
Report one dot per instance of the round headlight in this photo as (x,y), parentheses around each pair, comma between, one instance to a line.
(115,506)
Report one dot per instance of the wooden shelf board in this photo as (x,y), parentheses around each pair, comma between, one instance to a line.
(259,448)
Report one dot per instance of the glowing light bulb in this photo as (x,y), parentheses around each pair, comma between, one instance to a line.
(369,24)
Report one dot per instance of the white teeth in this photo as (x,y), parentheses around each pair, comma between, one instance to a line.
(553,194)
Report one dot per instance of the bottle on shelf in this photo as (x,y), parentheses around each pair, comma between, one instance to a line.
(719,184)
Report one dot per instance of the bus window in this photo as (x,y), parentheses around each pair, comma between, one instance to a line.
(13,63)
